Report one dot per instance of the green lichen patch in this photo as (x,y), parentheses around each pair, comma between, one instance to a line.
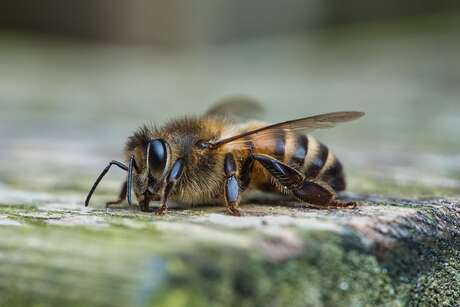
(325,274)
(442,287)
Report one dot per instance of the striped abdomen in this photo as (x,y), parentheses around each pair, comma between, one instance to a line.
(305,154)
(315,160)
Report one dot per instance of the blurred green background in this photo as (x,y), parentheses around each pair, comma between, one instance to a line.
(76,78)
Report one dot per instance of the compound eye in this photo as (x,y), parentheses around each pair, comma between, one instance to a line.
(157,157)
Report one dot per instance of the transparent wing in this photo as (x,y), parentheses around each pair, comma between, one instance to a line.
(236,108)
(303,125)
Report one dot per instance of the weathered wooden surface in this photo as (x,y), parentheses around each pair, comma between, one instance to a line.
(66,110)
(384,253)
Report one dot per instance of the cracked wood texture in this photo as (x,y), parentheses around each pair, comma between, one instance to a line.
(67,109)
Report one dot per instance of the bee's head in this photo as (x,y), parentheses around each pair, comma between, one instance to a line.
(149,158)
(153,152)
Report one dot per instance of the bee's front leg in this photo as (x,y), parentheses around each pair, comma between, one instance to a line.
(232,189)
(144,203)
(174,175)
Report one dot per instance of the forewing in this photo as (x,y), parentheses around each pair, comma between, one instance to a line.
(301,125)
(236,108)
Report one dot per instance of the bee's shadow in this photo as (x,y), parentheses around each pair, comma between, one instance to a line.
(252,198)
(272,199)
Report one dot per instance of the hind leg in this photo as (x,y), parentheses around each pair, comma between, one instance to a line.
(317,193)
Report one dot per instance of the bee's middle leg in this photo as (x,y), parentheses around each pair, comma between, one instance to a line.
(232,188)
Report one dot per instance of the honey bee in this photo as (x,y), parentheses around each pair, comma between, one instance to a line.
(212,160)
